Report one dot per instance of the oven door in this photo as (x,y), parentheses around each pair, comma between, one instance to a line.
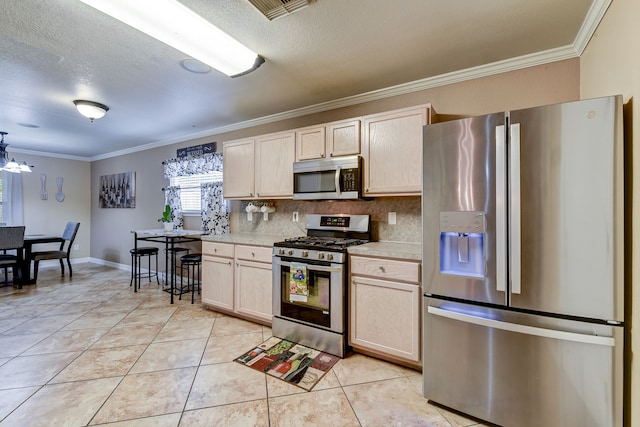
(321,303)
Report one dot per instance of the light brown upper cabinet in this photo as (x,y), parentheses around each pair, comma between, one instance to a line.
(239,169)
(341,138)
(260,167)
(392,151)
(275,154)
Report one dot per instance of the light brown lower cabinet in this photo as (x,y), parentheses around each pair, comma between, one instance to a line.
(253,281)
(385,303)
(236,280)
(217,275)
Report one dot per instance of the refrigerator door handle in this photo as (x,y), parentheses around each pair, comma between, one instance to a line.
(514,215)
(522,329)
(501,209)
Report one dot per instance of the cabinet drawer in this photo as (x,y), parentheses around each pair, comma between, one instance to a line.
(405,271)
(217,249)
(254,253)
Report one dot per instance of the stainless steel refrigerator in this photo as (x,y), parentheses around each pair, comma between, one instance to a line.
(523,277)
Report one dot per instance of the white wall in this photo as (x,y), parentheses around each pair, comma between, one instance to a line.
(611,65)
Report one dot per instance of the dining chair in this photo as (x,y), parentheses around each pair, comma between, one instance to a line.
(12,238)
(61,254)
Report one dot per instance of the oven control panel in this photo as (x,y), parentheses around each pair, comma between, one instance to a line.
(310,254)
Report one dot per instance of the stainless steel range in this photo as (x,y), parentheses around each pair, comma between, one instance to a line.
(310,281)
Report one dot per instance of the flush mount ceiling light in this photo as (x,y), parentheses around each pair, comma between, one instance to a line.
(174,24)
(90,109)
(10,165)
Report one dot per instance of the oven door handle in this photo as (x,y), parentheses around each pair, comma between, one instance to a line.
(311,267)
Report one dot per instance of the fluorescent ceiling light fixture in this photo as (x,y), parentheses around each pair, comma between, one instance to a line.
(90,109)
(174,24)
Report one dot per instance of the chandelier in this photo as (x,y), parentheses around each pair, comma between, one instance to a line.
(10,165)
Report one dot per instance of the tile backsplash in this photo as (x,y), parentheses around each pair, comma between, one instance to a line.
(407,228)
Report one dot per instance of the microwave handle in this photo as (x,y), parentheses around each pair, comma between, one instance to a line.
(337,179)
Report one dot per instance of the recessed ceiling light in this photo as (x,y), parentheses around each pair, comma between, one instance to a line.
(195,66)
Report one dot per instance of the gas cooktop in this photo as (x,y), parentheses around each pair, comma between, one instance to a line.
(316,242)
(331,232)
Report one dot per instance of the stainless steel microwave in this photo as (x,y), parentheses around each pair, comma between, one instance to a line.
(339,178)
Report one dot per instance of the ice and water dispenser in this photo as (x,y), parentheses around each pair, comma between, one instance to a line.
(462,243)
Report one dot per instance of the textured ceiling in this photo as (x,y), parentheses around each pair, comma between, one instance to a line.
(55,51)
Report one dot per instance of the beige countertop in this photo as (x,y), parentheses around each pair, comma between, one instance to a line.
(400,250)
(246,239)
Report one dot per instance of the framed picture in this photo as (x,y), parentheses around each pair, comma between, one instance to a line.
(118,190)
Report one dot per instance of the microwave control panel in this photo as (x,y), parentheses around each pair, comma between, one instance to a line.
(350,179)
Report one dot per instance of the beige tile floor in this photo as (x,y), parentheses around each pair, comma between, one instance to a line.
(89,351)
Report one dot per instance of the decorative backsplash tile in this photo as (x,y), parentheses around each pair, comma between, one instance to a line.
(407,228)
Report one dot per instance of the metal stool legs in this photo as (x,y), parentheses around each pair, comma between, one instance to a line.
(136,266)
(191,263)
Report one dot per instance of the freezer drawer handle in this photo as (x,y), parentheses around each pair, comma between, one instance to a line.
(522,329)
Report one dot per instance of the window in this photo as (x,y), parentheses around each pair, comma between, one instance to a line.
(190,189)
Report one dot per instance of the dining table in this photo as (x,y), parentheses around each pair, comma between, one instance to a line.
(169,238)
(27,247)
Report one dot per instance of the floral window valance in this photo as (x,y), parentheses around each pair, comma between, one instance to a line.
(193,166)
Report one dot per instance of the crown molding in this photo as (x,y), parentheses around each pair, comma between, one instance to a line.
(588,28)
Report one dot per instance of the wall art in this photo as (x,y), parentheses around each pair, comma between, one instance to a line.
(118,190)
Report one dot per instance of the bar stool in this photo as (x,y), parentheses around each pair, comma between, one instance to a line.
(191,263)
(136,261)
(172,256)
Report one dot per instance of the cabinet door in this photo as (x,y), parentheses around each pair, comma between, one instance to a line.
(254,290)
(275,155)
(343,138)
(239,166)
(310,143)
(217,282)
(392,151)
(385,317)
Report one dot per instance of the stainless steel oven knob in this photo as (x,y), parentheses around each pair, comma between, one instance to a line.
(290,252)
(320,255)
(305,254)
(330,257)
(281,252)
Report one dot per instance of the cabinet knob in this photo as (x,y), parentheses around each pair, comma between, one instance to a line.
(381,268)
(253,254)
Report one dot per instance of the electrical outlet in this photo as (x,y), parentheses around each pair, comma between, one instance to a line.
(295,216)
(76,247)
(392,218)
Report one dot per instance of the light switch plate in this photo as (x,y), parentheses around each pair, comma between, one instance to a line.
(392,218)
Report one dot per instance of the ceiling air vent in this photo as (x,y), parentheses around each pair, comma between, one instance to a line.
(273,9)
